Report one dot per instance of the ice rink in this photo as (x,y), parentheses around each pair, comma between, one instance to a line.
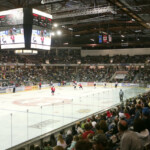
(25,115)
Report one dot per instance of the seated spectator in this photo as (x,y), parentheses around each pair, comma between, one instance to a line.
(129,139)
(69,137)
(146,117)
(143,133)
(87,131)
(32,147)
(103,126)
(74,132)
(100,142)
(83,145)
(53,141)
(47,146)
(58,148)
(37,147)
(61,141)
(72,146)
(98,129)
(78,128)
(62,132)
(90,137)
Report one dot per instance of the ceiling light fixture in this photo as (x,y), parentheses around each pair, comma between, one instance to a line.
(53,34)
(77,35)
(55,25)
(50,1)
(70,29)
(92,40)
(58,32)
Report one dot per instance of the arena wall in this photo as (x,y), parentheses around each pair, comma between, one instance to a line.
(131,52)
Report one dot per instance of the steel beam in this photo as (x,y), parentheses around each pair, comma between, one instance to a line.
(86,12)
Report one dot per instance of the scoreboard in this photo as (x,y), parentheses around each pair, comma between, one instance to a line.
(42,19)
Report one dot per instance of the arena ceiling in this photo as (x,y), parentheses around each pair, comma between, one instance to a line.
(82,21)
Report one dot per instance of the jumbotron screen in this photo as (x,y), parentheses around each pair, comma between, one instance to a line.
(41,38)
(12,38)
(11,17)
(25,28)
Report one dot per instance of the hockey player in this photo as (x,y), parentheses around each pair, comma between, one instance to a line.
(94,85)
(14,88)
(116,84)
(51,84)
(80,86)
(40,85)
(63,83)
(13,38)
(52,90)
(105,84)
(74,85)
(121,95)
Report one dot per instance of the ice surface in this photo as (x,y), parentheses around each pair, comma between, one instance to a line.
(25,115)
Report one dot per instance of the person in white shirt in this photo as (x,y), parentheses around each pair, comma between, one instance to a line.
(61,141)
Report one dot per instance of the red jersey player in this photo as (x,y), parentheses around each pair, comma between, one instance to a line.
(80,86)
(40,85)
(13,38)
(52,90)
(42,40)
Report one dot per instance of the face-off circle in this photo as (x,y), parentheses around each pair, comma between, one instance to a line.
(42,101)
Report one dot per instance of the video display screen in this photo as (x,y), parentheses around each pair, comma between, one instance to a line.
(12,38)
(42,19)
(11,17)
(40,38)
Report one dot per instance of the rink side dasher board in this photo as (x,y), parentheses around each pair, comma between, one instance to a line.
(69,84)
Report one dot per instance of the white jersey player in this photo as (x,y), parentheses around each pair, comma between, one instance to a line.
(74,85)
